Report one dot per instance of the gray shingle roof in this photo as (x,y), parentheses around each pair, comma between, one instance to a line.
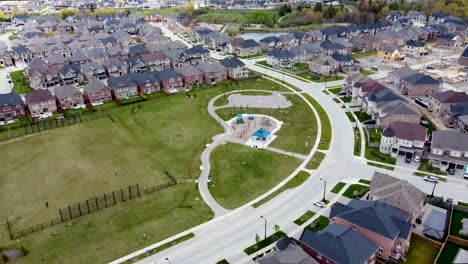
(188,71)
(232,62)
(210,66)
(66,91)
(166,74)
(292,254)
(10,99)
(435,224)
(39,95)
(94,86)
(408,131)
(420,79)
(142,78)
(447,139)
(451,97)
(341,244)
(119,82)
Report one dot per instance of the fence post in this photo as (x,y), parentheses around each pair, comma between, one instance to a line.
(138,190)
(9,229)
(87,204)
(79,208)
(97,205)
(69,211)
(61,217)
(121,193)
(113,195)
(130,191)
(105,199)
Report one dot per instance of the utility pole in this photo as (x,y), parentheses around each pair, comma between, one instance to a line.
(433,189)
(324,188)
(264,237)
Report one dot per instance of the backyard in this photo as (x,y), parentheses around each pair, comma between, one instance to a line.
(456,223)
(20,83)
(240,173)
(449,252)
(421,251)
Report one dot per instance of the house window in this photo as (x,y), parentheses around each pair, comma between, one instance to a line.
(353,227)
(319,256)
(6,108)
(380,250)
(399,243)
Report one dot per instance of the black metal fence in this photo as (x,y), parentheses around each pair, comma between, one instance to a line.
(92,205)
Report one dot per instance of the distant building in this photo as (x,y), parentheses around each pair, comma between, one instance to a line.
(391,53)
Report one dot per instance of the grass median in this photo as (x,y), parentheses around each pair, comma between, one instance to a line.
(325,140)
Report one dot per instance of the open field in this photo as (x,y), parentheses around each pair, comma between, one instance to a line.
(223,16)
(115,231)
(240,173)
(299,124)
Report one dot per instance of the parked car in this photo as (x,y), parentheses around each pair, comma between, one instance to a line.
(408,159)
(369,122)
(431,179)
(429,67)
(416,159)
(320,204)
(450,170)
(341,93)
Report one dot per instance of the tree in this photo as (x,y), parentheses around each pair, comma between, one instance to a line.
(318,7)
(277,228)
(257,238)
(189,8)
(66,12)
(4,258)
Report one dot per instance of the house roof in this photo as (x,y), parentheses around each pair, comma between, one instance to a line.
(137,49)
(339,243)
(448,139)
(269,40)
(166,74)
(232,62)
(415,43)
(343,58)
(395,192)
(377,217)
(91,65)
(66,91)
(142,78)
(406,131)
(291,254)
(248,43)
(188,71)
(385,95)
(78,56)
(69,68)
(392,48)
(403,72)
(119,82)
(465,53)
(210,66)
(421,79)
(94,86)
(10,99)
(450,97)
(435,224)
(38,96)
(398,108)
(198,49)
(280,54)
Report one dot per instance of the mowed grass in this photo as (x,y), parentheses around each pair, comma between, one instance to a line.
(20,82)
(240,173)
(299,124)
(116,231)
(325,121)
(421,251)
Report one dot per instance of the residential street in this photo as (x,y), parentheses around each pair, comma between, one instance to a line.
(226,236)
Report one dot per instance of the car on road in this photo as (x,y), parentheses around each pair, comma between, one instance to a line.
(369,122)
(320,204)
(431,179)
(8,76)
(341,93)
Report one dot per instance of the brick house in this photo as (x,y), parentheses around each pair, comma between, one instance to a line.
(39,102)
(191,75)
(419,85)
(156,61)
(169,79)
(248,47)
(383,224)
(286,251)
(394,77)
(450,41)
(333,245)
(415,48)
(324,66)
(70,74)
(397,193)
(43,77)
(68,97)
(439,103)
(11,107)
(213,71)
(281,58)
(463,60)
(146,82)
(122,87)
(449,149)
(402,138)
(93,70)
(397,110)
(96,92)
(235,67)
(115,68)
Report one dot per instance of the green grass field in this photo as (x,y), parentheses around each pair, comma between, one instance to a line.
(338,187)
(421,252)
(355,190)
(304,218)
(325,120)
(20,83)
(241,173)
(449,252)
(456,224)
(299,124)
(315,161)
(425,166)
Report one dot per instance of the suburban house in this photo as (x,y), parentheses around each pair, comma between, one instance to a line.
(96,92)
(270,43)
(450,41)
(347,64)
(462,124)
(397,110)
(338,244)
(68,97)
(39,102)
(417,18)
(115,68)
(416,48)
(43,77)
(11,107)
(248,47)
(324,66)
(449,149)
(454,113)
(156,61)
(281,58)
(440,102)
(191,75)
(122,87)
(93,70)
(57,61)
(391,53)
(146,82)
(394,77)
(235,67)
(383,224)
(213,71)
(419,85)
(169,79)
(402,138)
(360,85)
(197,54)
(397,193)
(375,100)
(70,74)
(135,64)
(306,52)
(463,60)
(286,252)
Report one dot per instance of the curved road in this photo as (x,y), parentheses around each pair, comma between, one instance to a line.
(226,236)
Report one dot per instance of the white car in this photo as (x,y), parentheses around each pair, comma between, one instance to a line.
(8,76)
(320,204)
(431,179)
(416,159)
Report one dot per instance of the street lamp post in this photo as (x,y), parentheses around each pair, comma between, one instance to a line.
(433,189)
(324,188)
(264,219)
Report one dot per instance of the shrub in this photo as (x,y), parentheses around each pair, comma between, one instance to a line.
(4,258)
(23,251)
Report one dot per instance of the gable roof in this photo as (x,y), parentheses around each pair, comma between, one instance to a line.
(280,54)
(210,66)
(385,95)
(395,192)
(415,43)
(232,62)
(119,82)
(448,139)
(166,74)
(142,78)
(94,86)
(450,97)
(406,131)
(421,79)
(188,71)
(10,99)
(339,243)
(292,254)
(377,217)
(398,108)
(65,91)
(248,43)
(435,224)
(403,72)
(38,96)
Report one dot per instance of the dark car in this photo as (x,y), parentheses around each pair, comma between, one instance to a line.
(341,93)
(451,171)
(408,159)
(369,122)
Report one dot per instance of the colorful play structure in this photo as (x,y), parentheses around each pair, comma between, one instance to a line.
(261,134)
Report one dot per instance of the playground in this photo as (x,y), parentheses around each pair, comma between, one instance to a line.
(254,130)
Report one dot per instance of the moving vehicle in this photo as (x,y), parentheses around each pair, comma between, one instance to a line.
(465,171)
(431,179)
(320,204)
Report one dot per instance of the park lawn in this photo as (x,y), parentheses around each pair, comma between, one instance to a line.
(325,139)
(304,218)
(425,166)
(421,251)
(449,252)
(456,225)
(338,187)
(375,134)
(20,83)
(357,142)
(315,161)
(299,124)
(298,180)
(355,190)
(240,173)
(113,232)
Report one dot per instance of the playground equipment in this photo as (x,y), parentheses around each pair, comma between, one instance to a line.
(239,119)
(265,123)
(251,117)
